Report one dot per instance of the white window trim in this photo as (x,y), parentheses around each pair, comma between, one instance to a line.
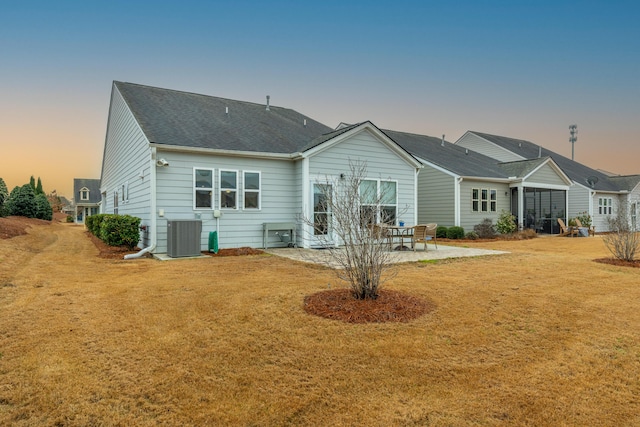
(605,204)
(212,188)
(220,171)
(82,191)
(245,190)
(378,195)
(488,200)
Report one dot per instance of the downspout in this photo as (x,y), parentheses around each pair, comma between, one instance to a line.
(152,183)
(456,201)
(306,197)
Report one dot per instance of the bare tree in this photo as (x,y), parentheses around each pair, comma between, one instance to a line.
(348,219)
(623,241)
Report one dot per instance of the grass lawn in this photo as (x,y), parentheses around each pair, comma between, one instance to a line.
(540,336)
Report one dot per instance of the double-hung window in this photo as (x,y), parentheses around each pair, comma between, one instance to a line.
(228,189)
(605,205)
(251,190)
(202,188)
(84,193)
(484,200)
(378,202)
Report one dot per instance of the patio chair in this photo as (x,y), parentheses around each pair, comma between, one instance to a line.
(591,230)
(567,231)
(380,232)
(423,233)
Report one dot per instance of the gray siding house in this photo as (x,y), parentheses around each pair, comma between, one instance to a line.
(591,191)
(459,186)
(234,165)
(87,198)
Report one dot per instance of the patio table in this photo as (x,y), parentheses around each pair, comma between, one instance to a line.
(400,233)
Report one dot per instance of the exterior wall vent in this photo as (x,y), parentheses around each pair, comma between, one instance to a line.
(183,237)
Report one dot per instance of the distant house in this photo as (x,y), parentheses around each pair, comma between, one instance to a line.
(461,187)
(236,166)
(590,190)
(87,198)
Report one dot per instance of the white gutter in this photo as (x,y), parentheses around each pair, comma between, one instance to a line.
(152,183)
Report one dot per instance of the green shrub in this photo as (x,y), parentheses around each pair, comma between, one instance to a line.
(43,208)
(69,218)
(486,229)
(472,235)
(441,232)
(585,219)
(506,223)
(93,223)
(22,202)
(119,230)
(455,232)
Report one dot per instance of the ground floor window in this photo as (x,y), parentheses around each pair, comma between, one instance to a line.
(378,202)
(605,205)
(484,200)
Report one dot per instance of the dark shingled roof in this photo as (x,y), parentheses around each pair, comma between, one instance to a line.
(191,120)
(575,171)
(451,157)
(521,168)
(93,185)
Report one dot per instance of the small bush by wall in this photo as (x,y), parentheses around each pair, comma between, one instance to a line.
(118,230)
(455,233)
(93,224)
(486,229)
(441,232)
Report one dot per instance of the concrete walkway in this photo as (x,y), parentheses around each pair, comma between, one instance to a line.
(320,256)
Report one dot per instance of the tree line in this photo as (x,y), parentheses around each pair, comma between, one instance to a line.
(28,200)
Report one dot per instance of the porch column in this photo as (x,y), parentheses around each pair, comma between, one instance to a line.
(520,207)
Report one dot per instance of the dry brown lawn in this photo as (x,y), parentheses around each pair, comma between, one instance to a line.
(541,336)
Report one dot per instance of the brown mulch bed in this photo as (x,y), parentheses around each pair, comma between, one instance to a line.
(235,252)
(390,306)
(619,262)
(111,252)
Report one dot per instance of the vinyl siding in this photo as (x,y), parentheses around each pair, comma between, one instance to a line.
(236,227)
(382,163)
(436,197)
(126,157)
(600,221)
(578,200)
(546,175)
(482,146)
(469,218)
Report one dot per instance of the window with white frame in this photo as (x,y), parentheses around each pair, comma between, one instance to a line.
(251,190)
(202,188)
(115,202)
(605,205)
(484,200)
(125,192)
(378,202)
(84,193)
(228,189)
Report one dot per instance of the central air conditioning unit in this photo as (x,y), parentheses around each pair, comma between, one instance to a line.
(183,237)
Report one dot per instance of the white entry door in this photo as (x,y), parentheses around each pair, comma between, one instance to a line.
(322,230)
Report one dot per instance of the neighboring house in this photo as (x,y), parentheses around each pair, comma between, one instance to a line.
(86,194)
(591,191)
(461,187)
(235,165)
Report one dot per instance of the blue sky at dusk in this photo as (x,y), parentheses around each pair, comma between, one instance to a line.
(521,69)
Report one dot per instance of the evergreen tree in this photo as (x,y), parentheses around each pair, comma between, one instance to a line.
(32,183)
(22,202)
(43,208)
(39,189)
(4,196)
